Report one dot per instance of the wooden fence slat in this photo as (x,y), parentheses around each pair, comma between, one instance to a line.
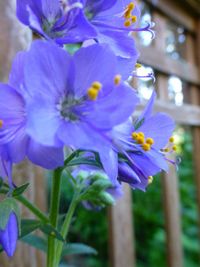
(164,64)
(185,114)
(14,37)
(171,204)
(121,232)
(174,12)
(172,218)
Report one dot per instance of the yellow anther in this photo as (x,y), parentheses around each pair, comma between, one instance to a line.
(138,65)
(127,14)
(127,23)
(97,85)
(166,150)
(146,147)
(140,140)
(1,124)
(134,135)
(141,134)
(131,6)
(117,79)
(150,179)
(171,139)
(92,93)
(174,148)
(150,141)
(133,19)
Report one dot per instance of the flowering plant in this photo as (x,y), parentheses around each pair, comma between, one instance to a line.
(71,111)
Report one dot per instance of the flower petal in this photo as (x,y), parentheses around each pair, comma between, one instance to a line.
(46,157)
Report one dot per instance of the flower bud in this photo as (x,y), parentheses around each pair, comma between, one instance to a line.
(9,235)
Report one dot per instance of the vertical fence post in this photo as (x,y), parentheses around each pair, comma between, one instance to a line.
(122,253)
(195,99)
(14,37)
(171,202)
(170,180)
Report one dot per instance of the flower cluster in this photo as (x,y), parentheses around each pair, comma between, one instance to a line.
(55,100)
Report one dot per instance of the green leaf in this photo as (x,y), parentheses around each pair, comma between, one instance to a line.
(77,249)
(1,182)
(36,242)
(20,190)
(28,226)
(138,124)
(80,161)
(7,206)
(50,230)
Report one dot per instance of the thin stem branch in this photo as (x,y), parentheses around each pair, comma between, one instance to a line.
(65,227)
(53,215)
(37,212)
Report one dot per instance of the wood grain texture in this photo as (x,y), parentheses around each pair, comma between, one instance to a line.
(14,37)
(121,232)
(157,59)
(171,202)
(176,12)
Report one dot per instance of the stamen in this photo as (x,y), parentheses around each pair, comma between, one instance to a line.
(174,148)
(127,23)
(140,140)
(130,18)
(134,135)
(138,65)
(141,134)
(133,19)
(171,139)
(97,85)
(1,124)
(150,141)
(146,147)
(117,79)
(92,93)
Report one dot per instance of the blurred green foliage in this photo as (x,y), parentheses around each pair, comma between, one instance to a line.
(91,227)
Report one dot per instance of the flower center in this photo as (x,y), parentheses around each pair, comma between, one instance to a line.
(146,143)
(68,108)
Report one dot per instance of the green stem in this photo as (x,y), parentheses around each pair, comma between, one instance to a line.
(65,227)
(37,212)
(53,215)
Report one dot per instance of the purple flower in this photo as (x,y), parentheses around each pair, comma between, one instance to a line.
(5,165)
(142,146)
(113,22)
(9,235)
(75,100)
(15,143)
(60,20)
(74,21)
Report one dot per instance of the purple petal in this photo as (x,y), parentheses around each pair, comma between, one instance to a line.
(109,159)
(80,31)
(121,43)
(46,157)
(159,127)
(93,63)
(43,122)
(115,105)
(99,5)
(9,236)
(48,71)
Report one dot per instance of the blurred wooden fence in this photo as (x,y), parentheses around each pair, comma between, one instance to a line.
(188,70)
(14,37)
